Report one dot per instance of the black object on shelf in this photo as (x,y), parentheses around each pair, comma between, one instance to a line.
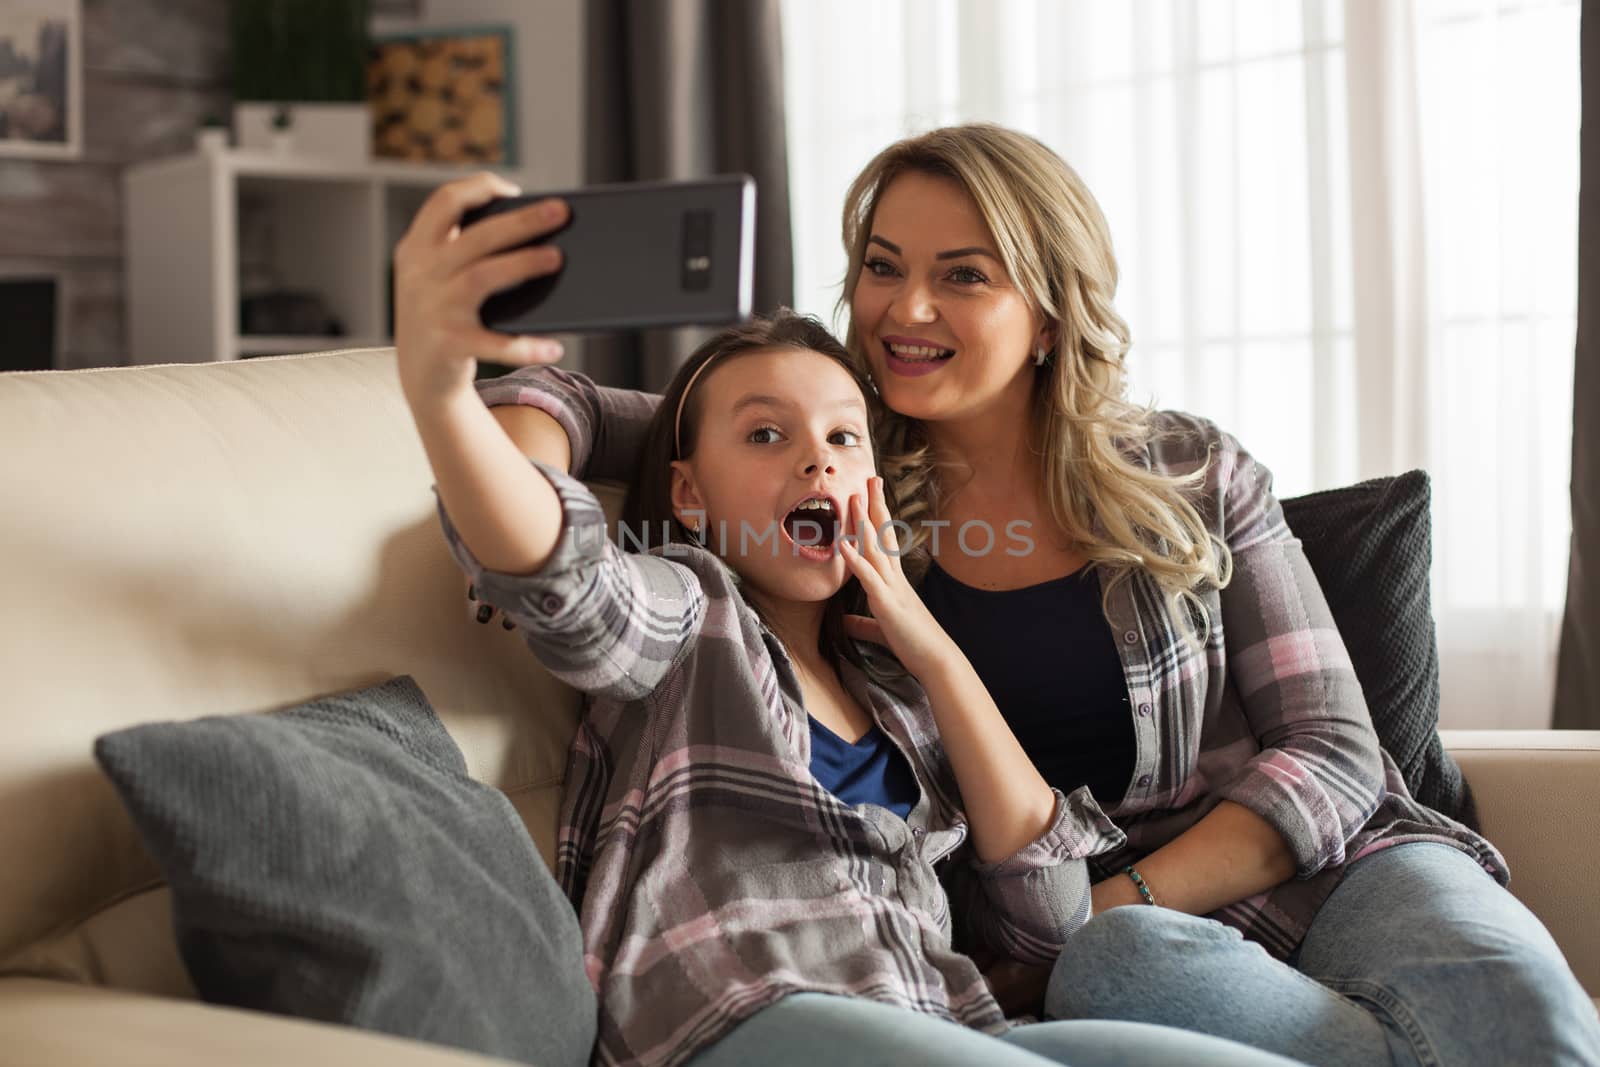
(287,312)
(28,312)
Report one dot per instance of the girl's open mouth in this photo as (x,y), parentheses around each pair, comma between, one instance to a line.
(811,527)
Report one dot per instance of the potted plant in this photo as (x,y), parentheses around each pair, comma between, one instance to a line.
(299,77)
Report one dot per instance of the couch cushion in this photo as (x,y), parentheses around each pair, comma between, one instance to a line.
(59,1024)
(221,538)
(335,862)
(1370,547)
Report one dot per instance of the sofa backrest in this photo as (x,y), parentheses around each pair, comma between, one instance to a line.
(218,538)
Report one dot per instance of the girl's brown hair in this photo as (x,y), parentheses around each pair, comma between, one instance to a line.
(648,513)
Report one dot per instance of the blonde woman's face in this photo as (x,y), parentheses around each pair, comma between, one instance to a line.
(946,332)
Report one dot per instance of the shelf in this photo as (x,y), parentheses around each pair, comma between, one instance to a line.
(251,163)
(289,344)
(205,228)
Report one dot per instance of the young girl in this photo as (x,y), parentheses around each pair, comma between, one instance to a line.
(759,810)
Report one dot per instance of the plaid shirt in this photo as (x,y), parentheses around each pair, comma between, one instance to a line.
(1268,713)
(712,873)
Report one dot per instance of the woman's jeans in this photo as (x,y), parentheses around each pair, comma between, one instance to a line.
(1418,957)
(814,1030)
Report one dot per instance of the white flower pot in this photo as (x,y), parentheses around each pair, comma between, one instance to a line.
(211,139)
(337,133)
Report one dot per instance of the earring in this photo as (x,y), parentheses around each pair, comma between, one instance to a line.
(1039,356)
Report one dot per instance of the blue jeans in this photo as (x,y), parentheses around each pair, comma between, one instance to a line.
(814,1030)
(1418,957)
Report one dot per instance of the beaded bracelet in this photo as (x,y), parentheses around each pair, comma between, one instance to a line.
(1138,880)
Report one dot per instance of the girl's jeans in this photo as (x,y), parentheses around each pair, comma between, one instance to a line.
(815,1030)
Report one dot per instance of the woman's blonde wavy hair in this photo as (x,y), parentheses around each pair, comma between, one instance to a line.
(1056,246)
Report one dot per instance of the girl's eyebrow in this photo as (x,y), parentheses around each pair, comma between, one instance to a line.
(751,400)
(954,253)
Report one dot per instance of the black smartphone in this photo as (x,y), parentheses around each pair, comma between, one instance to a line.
(637,254)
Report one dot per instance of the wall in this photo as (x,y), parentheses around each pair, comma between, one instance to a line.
(153,69)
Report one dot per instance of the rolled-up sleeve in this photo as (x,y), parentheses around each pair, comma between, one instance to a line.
(1319,775)
(606,622)
(1028,904)
(605,427)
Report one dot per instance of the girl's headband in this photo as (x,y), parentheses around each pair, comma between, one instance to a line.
(677,422)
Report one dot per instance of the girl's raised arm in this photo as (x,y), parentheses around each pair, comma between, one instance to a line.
(504,510)
(603,428)
(532,539)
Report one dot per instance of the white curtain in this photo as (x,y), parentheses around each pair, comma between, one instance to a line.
(1347,232)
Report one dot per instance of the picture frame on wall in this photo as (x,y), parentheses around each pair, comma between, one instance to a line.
(41,78)
(444,96)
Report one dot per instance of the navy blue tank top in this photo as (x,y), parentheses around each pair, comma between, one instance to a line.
(871,771)
(1047,656)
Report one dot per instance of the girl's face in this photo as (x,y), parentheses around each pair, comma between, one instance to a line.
(782,445)
(947,334)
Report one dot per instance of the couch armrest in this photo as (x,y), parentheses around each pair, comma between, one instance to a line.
(1538,795)
(68,1025)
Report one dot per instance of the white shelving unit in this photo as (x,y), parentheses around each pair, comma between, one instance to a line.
(332,230)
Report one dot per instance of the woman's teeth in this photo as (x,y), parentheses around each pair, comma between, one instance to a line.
(920,353)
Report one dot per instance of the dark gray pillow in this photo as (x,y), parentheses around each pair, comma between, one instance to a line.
(335,862)
(1370,547)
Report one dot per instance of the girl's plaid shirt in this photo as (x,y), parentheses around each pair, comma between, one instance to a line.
(712,873)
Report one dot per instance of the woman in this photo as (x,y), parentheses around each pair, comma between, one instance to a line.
(759,821)
(1164,643)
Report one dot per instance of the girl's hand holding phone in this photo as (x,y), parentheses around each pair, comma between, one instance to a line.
(899,619)
(442,274)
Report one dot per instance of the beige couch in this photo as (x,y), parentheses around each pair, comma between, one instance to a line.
(179,541)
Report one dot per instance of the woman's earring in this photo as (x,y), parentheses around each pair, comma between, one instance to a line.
(1039,356)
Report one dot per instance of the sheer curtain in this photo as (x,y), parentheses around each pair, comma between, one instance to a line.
(1347,232)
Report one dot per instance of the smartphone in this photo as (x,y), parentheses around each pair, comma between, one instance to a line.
(637,254)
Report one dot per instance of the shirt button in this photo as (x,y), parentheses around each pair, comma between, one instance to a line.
(1144,709)
(551,603)
(1144,780)
(917,831)
(1130,636)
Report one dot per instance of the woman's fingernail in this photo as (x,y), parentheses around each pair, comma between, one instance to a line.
(508,624)
(472,592)
(485,613)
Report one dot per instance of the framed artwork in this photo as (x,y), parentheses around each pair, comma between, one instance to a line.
(444,96)
(41,78)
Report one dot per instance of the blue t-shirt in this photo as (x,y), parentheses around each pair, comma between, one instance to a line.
(871,771)
(1046,654)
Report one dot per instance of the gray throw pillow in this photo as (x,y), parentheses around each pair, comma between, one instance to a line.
(1370,547)
(335,862)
